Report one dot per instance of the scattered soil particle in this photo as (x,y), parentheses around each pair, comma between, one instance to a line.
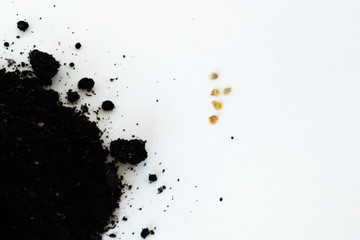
(78,45)
(6,44)
(112,235)
(213,76)
(124,219)
(44,66)
(217,105)
(22,25)
(107,105)
(161,189)
(72,96)
(215,92)
(86,84)
(10,62)
(128,151)
(71,64)
(152,178)
(84,108)
(221,199)
(213,119)
(227,90)
(146,232)
(232,137)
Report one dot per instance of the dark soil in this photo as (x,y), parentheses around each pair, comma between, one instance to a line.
(54,179)
(107,105)
(84,108)
(161,189)
(78,45)
(44,66)
(128,151)
(146,232)
(22,25)
(72,96)
(86,84)
(152,178)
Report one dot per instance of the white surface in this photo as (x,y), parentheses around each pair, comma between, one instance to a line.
(292,171)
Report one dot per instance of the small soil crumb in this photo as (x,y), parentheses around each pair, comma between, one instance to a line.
(146,232)
(10,62)
(112,235)
(124,219)
(217,105)
(213,76)
(72,96)
(227,90)
(128,151)
(22,25)
(84,108)
(107,105)
(232,137)
(86,84)
(6,44)
(221,199)
(78,45)
(161,189)
(44,65)
(71,64)
(152,178)
(213,119)
(215,92)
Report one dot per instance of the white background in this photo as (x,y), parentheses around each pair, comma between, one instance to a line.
(292,169)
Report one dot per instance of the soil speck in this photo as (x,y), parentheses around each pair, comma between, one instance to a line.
(22,25)
(107,105)
(86,84)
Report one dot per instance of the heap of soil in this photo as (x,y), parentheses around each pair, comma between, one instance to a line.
(54,179)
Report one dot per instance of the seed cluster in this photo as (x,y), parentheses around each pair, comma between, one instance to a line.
(213,119)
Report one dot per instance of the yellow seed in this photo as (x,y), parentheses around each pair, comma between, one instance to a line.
(213,119)
(227,90)
(213,76)
(215,92)
(217,105)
